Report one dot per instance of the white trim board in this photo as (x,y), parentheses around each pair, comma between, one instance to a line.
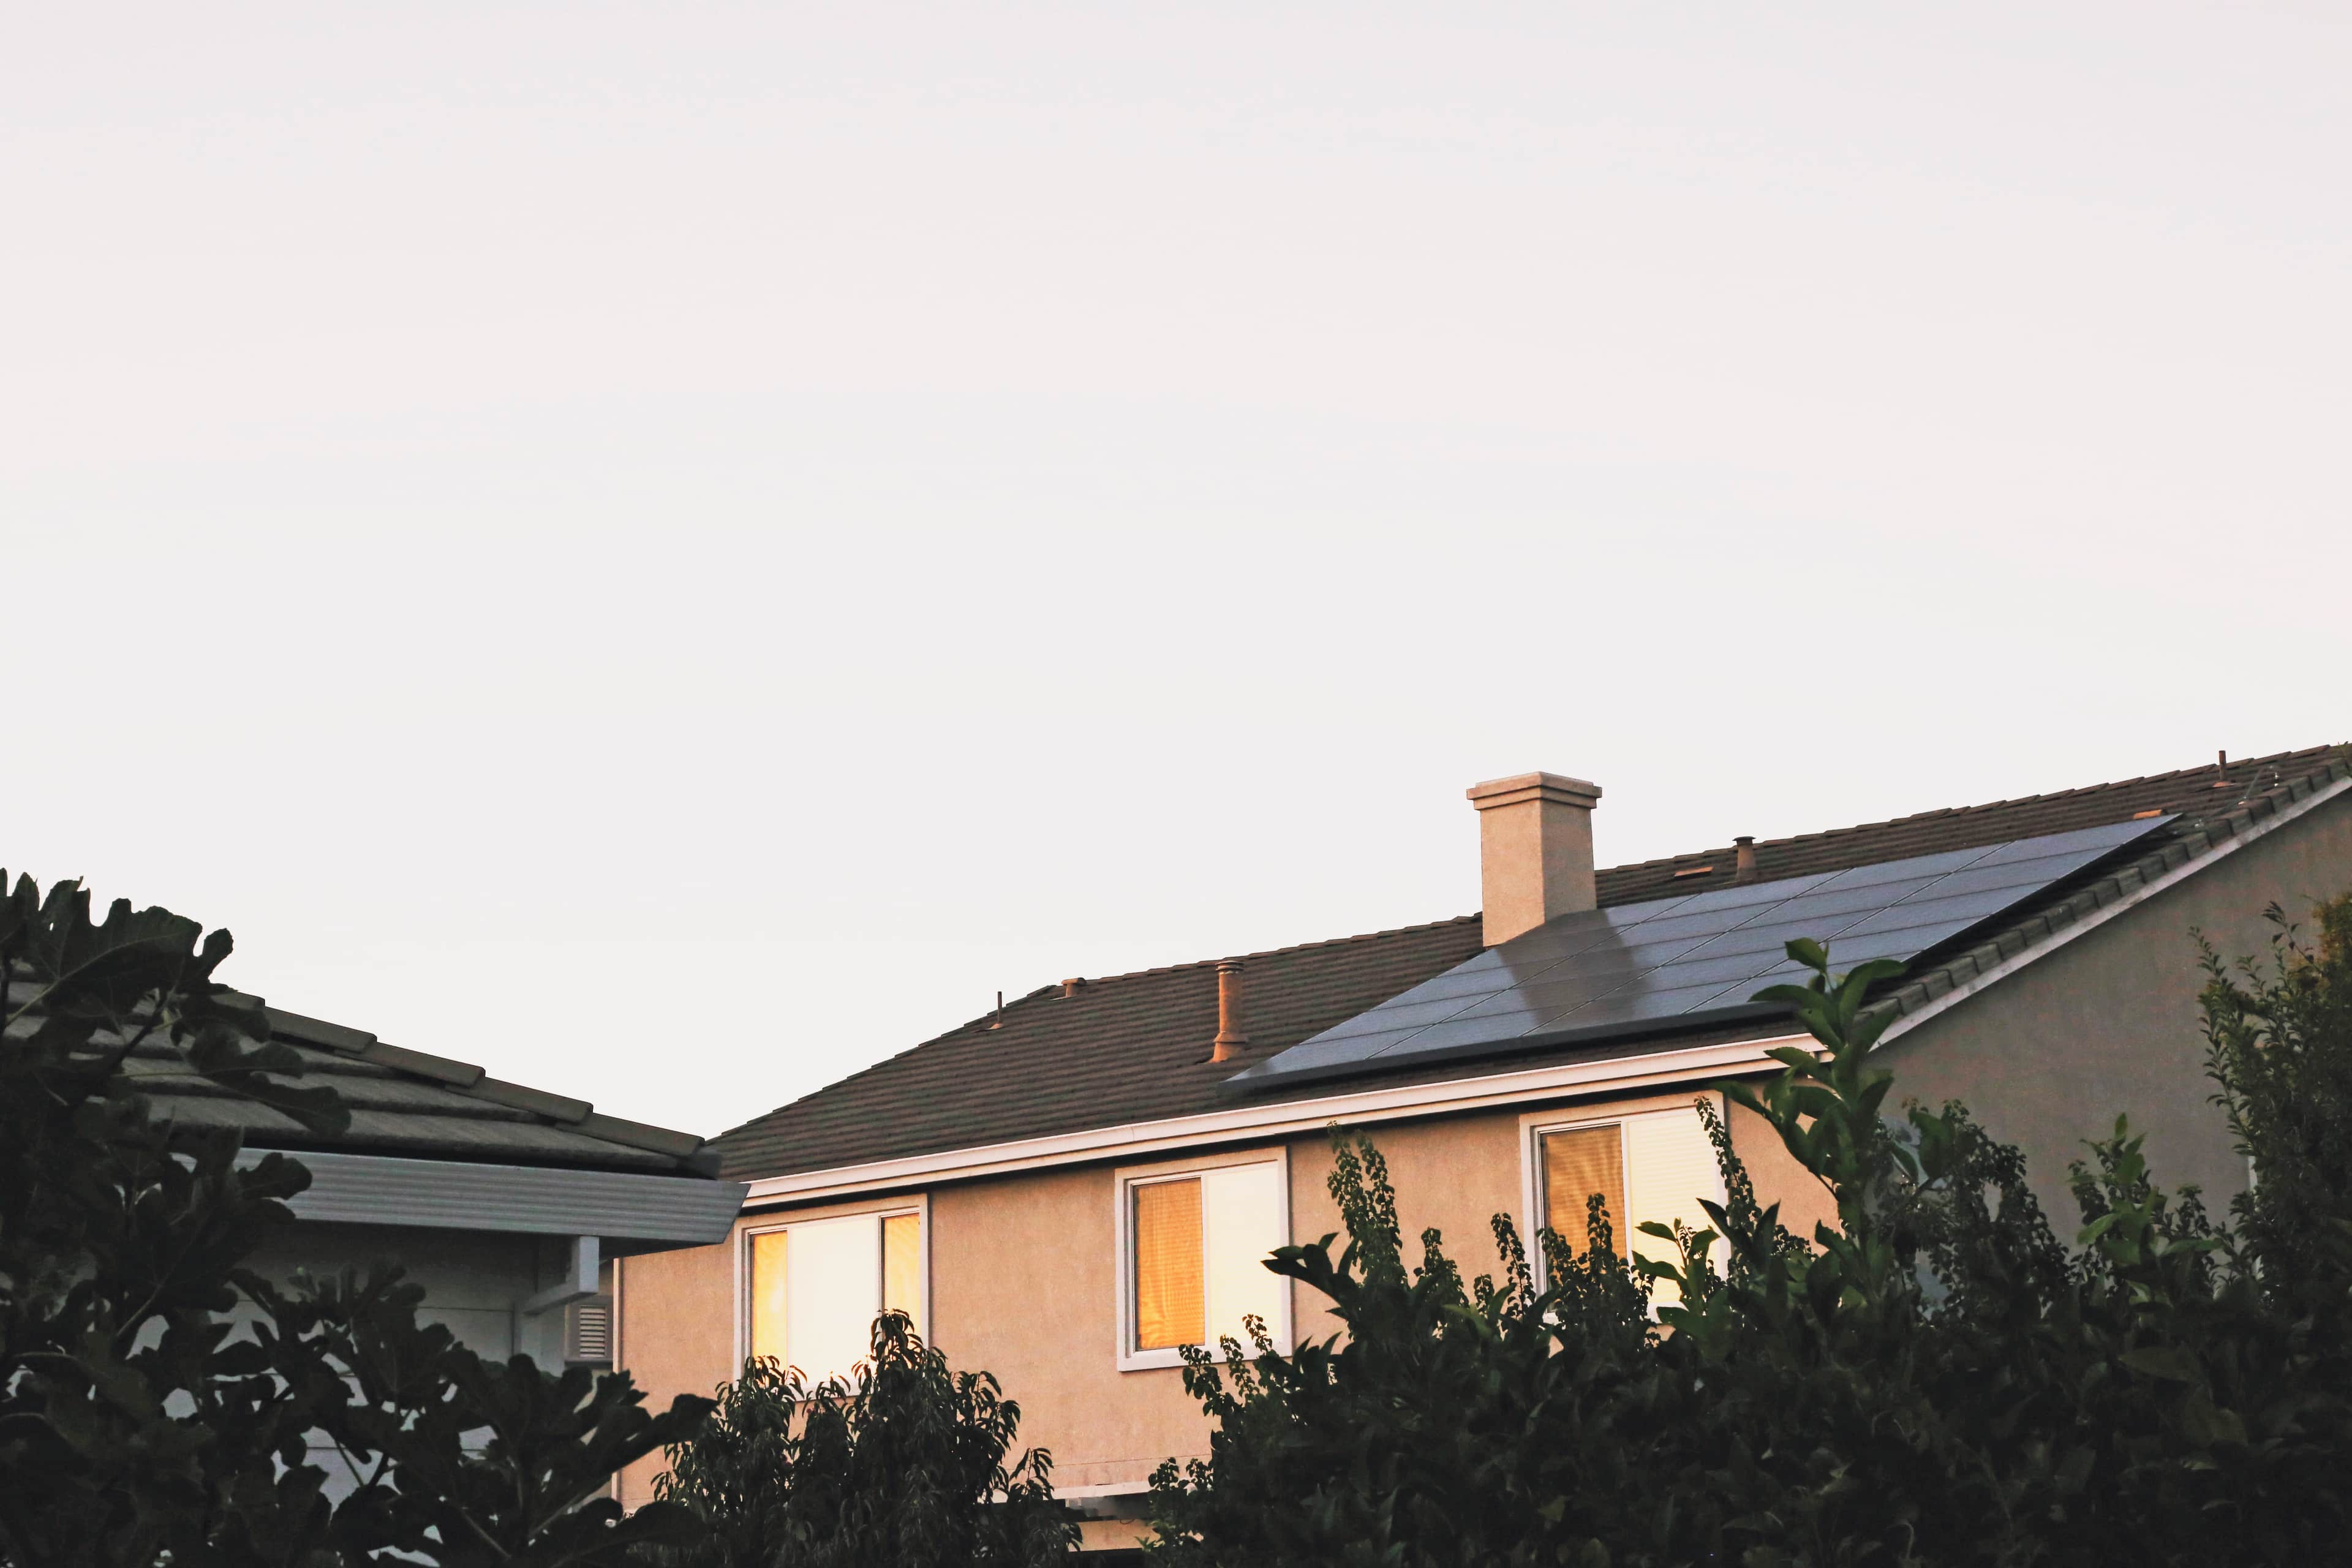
(1135,1140)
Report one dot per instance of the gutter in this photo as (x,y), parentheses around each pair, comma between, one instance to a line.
(630,1213)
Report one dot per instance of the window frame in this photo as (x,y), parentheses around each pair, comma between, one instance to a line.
(1534,1125)
(918,1205)
(1124,1180)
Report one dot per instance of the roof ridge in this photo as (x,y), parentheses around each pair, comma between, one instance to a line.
(2257,765)
(1413,930)
(473,1083)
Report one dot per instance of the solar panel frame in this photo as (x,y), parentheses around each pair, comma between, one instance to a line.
(1690,960)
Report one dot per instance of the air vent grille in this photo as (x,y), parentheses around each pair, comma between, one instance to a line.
(588,1333)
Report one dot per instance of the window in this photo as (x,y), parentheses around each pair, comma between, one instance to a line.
(1192,1250)
(1579,1163)
(816,1286)
(1648,1165)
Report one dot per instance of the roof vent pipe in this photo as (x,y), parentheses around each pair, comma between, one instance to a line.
(1535,851)
(1232,1032)
(1745,871)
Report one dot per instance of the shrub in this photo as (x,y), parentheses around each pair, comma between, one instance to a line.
(137,1425)
(1935,1378)
(902,1463)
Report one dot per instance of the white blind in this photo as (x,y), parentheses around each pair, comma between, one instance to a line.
(1240,1214)
(1669,1166)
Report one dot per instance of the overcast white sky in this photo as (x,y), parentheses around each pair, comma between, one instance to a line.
(673,550)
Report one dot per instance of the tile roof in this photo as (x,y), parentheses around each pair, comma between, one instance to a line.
(410,1103)
(1135,1048)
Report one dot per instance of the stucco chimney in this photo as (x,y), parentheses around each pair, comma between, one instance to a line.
(1535,851)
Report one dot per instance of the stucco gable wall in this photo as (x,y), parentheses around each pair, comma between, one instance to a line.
(2048,1056)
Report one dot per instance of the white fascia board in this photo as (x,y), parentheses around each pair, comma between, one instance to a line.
(2283,817)
(1243,1123)
(633,1213)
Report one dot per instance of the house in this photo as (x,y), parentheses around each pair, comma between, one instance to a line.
(1069,1190)
(508,1205)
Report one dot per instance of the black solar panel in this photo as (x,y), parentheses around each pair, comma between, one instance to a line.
(1673,963)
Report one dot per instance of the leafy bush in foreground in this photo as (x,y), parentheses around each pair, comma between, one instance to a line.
(901,1464)
(139,1424)
(1937,1379)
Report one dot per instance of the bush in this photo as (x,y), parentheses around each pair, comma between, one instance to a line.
(1936,1379)
(901,1464)
(137,1427)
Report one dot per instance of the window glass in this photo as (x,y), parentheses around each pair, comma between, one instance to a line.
(817,1286)
(1200,1248)
(770,1252)
(902,1266)
(1578,1163)
(1653,1166)
(1170,1300)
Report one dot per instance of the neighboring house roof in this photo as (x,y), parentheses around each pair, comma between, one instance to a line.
(1135,1048)
(410,1104)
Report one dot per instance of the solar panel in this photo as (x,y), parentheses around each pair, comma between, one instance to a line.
(1674,963)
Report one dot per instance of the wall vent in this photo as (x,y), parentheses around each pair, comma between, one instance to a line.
(588,1333)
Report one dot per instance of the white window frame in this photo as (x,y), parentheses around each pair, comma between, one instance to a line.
(1123,1184)
(919,1206)
(1532,1128)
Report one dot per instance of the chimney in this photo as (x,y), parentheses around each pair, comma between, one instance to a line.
(1744,868)
(1535,851)
(1233,1032)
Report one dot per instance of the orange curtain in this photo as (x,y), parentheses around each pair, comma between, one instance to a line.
(1578,1163)
(1171,1292)
(902,1266)
(768,1294)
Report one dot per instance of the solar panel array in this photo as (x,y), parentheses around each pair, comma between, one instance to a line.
(1673,963)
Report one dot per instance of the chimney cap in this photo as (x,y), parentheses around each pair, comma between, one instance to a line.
(1558,788)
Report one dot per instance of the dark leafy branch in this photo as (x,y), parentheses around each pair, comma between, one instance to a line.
(161,1402)
(1934,1378)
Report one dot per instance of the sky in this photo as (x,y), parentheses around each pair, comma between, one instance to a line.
(674,551)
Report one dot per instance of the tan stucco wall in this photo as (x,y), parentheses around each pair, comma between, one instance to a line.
(677,1334)
(1022,1282)
(2108,1024)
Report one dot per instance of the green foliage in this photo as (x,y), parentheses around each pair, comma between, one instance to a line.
(1933,1379)
(902,1464)
(2281,1037)
(158,1401)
